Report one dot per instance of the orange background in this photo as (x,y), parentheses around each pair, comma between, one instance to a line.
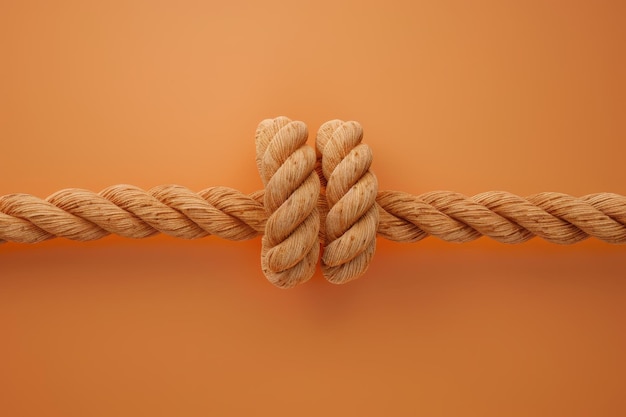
(466,96)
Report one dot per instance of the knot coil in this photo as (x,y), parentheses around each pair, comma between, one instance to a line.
(290,245)
(351,189)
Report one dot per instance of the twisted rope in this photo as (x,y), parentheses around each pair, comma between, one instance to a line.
(351,188)
(332,198)
(287,167)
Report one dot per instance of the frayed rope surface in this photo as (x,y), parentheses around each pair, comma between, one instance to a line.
(329,196)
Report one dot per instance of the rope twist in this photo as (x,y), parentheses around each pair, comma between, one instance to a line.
(351,190)
(286,164)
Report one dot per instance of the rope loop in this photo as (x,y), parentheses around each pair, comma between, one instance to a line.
(351,189)
(290,245)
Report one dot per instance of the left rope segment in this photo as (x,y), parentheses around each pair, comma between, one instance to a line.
(131,212)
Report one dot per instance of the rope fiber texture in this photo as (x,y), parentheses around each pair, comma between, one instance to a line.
(324,201)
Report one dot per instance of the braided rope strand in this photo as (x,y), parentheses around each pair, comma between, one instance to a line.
(330,198)
(502,216)
(131,212)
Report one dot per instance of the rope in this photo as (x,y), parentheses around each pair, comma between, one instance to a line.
(330,197)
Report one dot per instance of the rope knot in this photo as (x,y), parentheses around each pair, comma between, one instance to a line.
(292,195)
(329,196)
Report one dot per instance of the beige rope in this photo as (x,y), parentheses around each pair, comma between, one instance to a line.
(332,197)
(351,188)
(286,164)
